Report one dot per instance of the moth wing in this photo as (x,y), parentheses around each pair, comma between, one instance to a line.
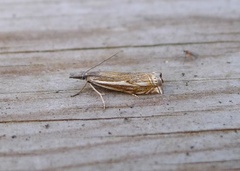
(132,83)
(140,79)
(110,76)
(134,79)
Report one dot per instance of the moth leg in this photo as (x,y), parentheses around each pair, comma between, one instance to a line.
(135,95)
(80,90)
(160,90)
(98,94)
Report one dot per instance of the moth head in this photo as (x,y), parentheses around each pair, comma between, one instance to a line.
(81,75)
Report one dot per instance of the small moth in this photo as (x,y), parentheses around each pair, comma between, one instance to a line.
(189,54)
(137,83)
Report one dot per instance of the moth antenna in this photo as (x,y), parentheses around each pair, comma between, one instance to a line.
(103,61)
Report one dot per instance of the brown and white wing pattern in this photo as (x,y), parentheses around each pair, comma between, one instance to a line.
(132,83)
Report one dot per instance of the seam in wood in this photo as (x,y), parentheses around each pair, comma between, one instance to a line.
(120,47)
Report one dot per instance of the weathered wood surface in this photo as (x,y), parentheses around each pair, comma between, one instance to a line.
(195,125)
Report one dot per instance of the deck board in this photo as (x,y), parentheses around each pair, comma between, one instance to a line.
(195,125)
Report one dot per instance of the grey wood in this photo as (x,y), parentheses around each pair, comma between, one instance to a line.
(195,125)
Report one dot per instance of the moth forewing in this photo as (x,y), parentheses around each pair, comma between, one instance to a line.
(131,83)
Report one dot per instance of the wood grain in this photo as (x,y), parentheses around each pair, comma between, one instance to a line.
(195,125)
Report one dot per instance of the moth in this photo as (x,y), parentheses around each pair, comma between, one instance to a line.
(190,55)
(137,83)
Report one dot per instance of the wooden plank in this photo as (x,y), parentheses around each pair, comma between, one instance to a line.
(193,126)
